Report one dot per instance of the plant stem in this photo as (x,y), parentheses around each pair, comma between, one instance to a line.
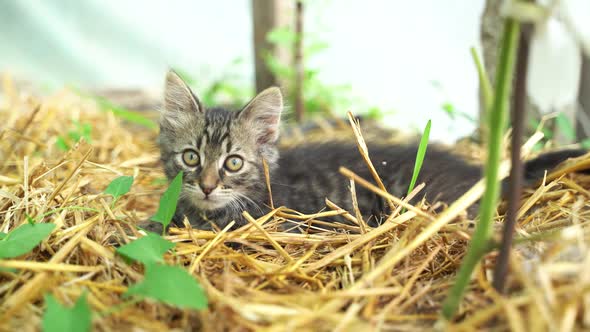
(515,184)
(497,119)
(484,81)
(298,61)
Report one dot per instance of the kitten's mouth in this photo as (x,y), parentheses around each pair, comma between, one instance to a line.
(212,201)
(209,203)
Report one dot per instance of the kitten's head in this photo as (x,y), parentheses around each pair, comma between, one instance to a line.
(220,151)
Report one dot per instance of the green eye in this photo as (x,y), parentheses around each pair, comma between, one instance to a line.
(190,157)
(234,163)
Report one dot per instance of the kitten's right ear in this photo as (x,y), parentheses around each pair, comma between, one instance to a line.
(178,96)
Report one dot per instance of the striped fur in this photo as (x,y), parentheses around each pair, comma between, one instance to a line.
(303,177)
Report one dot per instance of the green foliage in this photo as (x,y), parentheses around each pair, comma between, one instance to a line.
(168,202)
(23,239)
(420,156)
(319,98)
(169,284)
(119,187)
(453,113)
(61,144)
(484,81)
(480,241)
(58,318)
(172,285)
(121,112)
(565,127)
(147,250)
(562,125)
(3,236)
(283,36)
(224,89)
(80,130)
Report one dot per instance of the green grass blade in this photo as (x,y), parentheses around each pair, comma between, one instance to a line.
(484,80)
(420,156)
(125,114)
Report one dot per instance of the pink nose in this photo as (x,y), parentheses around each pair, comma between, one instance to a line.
(207,190)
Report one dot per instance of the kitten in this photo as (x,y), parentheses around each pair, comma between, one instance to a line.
(221,152)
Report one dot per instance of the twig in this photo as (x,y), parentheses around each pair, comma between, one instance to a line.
(516,172)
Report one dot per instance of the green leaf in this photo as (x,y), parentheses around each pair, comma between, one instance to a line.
(449,109)
(2,235)
(147,250)
(58,318)
(315,48)
(61,144)
(420,156)
(125,114)
(172,285)
(132,117)
(168,202)
(565,127)
(119,186)
(23,239)
(30,219)
(586,143)
(281,36)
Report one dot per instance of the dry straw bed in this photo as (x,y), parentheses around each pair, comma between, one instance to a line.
(354,278)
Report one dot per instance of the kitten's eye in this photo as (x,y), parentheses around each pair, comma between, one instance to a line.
(234,163)
(190,157)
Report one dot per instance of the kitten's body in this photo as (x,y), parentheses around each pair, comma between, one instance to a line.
(221,155)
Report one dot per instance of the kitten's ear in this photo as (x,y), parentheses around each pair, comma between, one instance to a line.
(263,115)
(178,96)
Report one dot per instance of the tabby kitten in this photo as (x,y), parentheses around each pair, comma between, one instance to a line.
(221,153)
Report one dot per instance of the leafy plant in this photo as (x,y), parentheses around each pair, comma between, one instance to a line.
(81,130)
(565,127)
(121,112)
(119,187)
(480,241)
(147,250)
(23,239)
(319,98)
(225,88)
(58,318)
(171,285)
(453,113)
(168,202)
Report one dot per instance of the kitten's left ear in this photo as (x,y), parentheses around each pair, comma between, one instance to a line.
(263,115)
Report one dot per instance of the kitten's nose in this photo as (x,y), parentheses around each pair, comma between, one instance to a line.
(209,180)
(206,190)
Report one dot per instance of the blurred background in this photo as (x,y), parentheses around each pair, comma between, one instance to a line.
(401,62)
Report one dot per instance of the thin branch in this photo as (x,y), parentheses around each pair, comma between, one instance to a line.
(515,182)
